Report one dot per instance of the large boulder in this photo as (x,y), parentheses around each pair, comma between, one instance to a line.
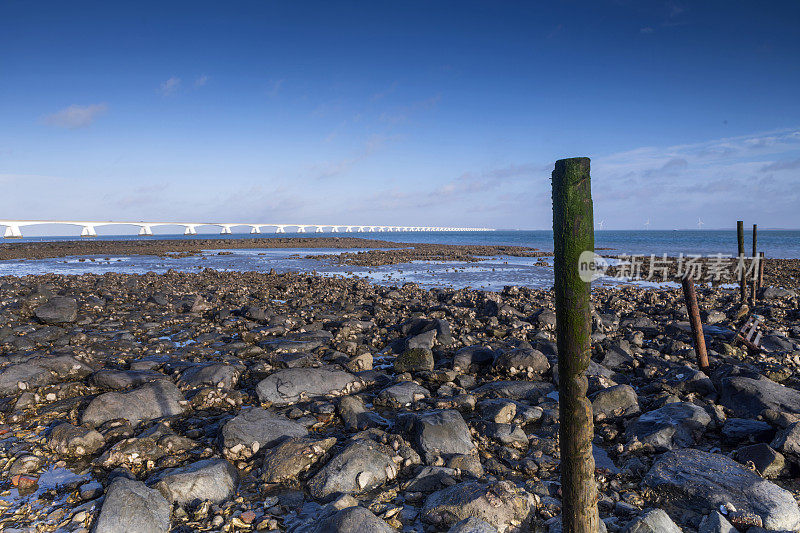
(148,402)
(208,479)
(255,429)
(360,467)
(655,521)
(131,507)
(290,458)
(674,425)
(501,504)
(748,397)
(23,376)
(615,402)
(57,310)
(354,519)
(705,481)
(522,359)
(292,385)
(440,433)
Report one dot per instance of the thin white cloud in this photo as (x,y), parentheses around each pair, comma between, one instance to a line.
(275,87)
(200,81)
(76,116)
(170,86)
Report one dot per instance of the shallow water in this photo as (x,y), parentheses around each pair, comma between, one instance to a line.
(492,273)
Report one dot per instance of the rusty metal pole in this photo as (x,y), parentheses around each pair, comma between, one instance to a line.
(740,239)
(573,238)
(690,296)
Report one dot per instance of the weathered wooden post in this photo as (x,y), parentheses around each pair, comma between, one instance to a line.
(573,234)
(754,281)
(742,280)
(690,296)
(761,260)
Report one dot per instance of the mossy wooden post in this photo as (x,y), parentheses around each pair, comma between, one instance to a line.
(755,240)
(573,233)
(742,280)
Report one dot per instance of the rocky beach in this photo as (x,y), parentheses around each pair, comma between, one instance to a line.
(245,401)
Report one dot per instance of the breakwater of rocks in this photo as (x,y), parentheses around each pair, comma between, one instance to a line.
(230,401)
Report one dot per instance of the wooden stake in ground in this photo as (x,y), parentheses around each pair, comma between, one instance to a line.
(742,280)
(761,260)
(755,240)
(690,296)
(573,234)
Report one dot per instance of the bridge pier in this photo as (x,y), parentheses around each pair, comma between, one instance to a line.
(12,232)
(190,230)
(226,230)
(280,229)
(88,231)
(145,231)
(255,229)
(334,229)
(318,230)
(301,229)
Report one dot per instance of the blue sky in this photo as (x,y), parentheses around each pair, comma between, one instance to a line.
(429,113)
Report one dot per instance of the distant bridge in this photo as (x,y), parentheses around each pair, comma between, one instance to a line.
(88,228)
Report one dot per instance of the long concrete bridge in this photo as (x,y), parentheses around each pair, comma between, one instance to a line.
(13,228)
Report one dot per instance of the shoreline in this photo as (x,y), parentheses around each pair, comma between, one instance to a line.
(196,355)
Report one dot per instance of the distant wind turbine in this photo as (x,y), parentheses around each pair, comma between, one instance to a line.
(699,223)
(600,224)
(647,224)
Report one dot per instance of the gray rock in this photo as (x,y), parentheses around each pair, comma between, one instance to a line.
(748,397)
(356,416)
(292,385)
(617,357)
(674,425)
(716,523)
(66,439)
(472,525)
(431,478)
(614,402)
(788,440)
(515,390)
(290,458)
(744,428)
(501,504)
(522,359)
(131,507)
(122,379)
(423,341)
(360,467)
(209,479)
(440,433)
(23,376)
(472,356)
(767,461)
(148,402)
(57,310)
(776,343)
(220,375)
(655,521)
(403,393)
(775,293)
(255,429)
(703,481)
(354,519)
(414,360)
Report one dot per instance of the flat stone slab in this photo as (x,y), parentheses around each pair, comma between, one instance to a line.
(501,504)
(255,429)
(703,481)
(208,479)
(674,425)
(149,402)
(360,467)
(748,397)
(292,385)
